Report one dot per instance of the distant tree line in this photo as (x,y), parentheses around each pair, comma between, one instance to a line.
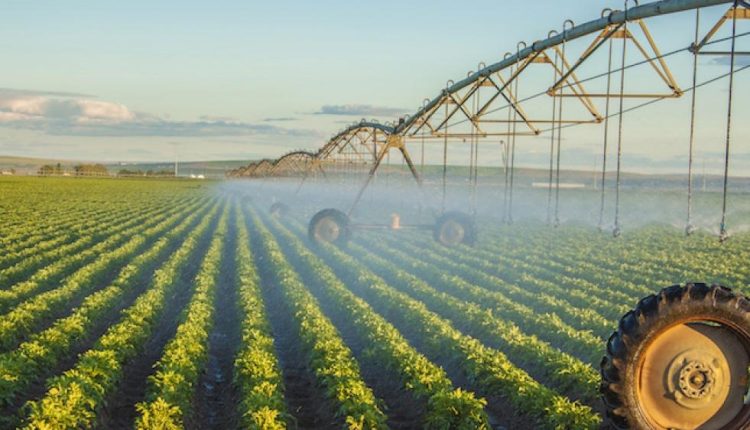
(148,173)
(78,170)
(90,170)
(99,170)
(49,169)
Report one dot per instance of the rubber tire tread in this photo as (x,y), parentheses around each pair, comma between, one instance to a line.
(465,220)
(339,217)
(637,328)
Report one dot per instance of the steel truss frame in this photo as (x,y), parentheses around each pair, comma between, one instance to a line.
(463,109)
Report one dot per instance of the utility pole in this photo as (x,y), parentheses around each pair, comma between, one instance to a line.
(176,163)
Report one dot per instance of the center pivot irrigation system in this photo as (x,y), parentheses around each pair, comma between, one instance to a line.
(487,104)
(681,358)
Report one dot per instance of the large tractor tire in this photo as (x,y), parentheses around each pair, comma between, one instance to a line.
(279,209)
(454,228)
(329,225)
(680,360)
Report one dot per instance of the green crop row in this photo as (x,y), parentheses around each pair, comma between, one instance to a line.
(257,370)
(22,320)
(508,301)
(68,265)
(37,256)
(74,397)
(563,371)
(24,365)
(488,369)
(519,285)
(171,387)
(639,263)
(27,236)
(386,347)
(330,359)
(18,251)
(37,210)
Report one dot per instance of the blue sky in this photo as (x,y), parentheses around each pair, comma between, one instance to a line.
(149,80)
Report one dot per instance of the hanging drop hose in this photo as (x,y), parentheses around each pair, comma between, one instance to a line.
(606,137)
(552,144)
(476,153)
(471,171)
(476,170)
(471,156)
(688,223)
(476,157)
(471,161)
(617,231)
(512,174)
(472,196)
(507,162)
(445,158)
(723,234)
(476,165)
(513,141)
(559,126)
(421,164)
(476,148)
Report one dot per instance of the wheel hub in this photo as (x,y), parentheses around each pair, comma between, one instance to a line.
(692,377)
(452,233)
(327,230)
(696,379)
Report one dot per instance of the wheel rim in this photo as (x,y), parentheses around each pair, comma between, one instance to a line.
(327,229)
(694,376)
(452,233)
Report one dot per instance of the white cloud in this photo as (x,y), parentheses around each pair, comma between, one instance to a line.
(93,109)
(36,109)
(4,92)
(14,117)
(70,114)
(361,110)
(280,119)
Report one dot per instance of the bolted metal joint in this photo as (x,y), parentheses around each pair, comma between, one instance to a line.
(696,380)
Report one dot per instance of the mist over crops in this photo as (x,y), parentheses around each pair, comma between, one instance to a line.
(643,202)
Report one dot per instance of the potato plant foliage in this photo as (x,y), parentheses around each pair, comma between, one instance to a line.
(171,304)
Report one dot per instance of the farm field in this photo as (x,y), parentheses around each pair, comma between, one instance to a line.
(178,304)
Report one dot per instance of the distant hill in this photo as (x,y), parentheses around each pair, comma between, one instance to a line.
(22,164)
(432,173)
(29,165)
(206,168)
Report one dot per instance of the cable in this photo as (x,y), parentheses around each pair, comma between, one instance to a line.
(616,231)
(723,235)
(688,224)
(475,142)
(513,155)
(606,138)
(507,165)
(421,164)
(552,145)
(559,139)
(445,159)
